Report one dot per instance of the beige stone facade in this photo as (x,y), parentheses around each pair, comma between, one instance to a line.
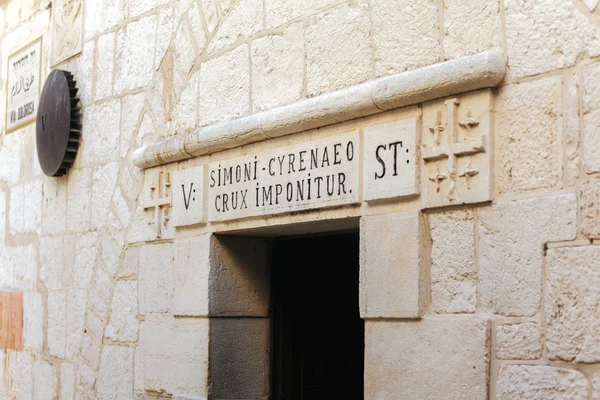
(479,264)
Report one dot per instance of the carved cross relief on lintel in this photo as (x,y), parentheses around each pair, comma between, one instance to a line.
(158,198)
(456,150)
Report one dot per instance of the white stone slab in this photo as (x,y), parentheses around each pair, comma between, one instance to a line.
(390,160)
(315,174)
(67,29)
(188,196)
(23,88)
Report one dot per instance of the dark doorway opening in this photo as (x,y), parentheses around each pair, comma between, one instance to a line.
(318,335)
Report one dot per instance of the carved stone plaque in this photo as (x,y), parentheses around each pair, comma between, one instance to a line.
(67,30)
(316,174)
(457,150)
(188,196)
(23,85)
(390,160)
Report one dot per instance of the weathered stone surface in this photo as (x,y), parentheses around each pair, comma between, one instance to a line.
(164,35)
(129,263)
(192,269)
(78,200)
(33,321)
(21,371)
(591,118)
(175,355)
(277,68)
(115,379)
(104,179)
(139,7)
(571,115)
(540,382)
(184,56)
(53,272)
(19,268)
(573,303)
(103,76)
(590,208)
(3,205)
(67,381)
(280,12)
(519,341)
(54,206)
(453,270)
(471,26)
(185,113)
(134,43)
(428,359)
(123,323)
(392,265)
(243,20)
(337,48)
(86,253)
(224,87)
(546,36)
(511,240)
(45,382)
(25,212)
(406,35)
(10,152)
(529,127)
(100,133)
(156,278)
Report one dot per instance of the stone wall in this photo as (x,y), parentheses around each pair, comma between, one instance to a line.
(502,299)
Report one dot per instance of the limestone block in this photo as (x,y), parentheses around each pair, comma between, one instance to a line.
(558,35)
(591,4)
(338,52)
(184,56)
(19,268)
(239,356)
(279,12)
(278,68)
(519,341)
(57,323)
(390,160)
(103,284)
(211,17)
(87,249)
(33,321)
(239,281)
(131,110)
(104,179)
(471,26)
(3,205)
(54,206)
(82,67)
(139,7)
(393,259)
(185,113)
(406,35)
(197,28)
(76,306)
(103,76)
(54,273)
(188,196)
(529,128)
(129,263)
(25,212)
(224,87)
(175,355)
(85,379)
(121,208)
(511,240)
(115,379)
(123,324)
(67,381)
(79,200)
(454,273)
(571,129)
(164,35)
(10,159)
(243,20)
(113,13)
(590,208)
(101,133)
(456,151)
(573,303)
(90,350)
(110,255)
(45,381)
(134,43)
(21,372)
(540,382)
(156,278)
(591,118)
(192,267)
(428,359)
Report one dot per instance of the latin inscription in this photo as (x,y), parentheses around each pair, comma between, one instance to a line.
(23,88)
(390,160)
(321,173)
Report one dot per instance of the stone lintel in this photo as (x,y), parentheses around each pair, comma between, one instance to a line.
(448,78)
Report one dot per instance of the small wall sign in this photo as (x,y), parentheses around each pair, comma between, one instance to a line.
(23,85)
(58,126)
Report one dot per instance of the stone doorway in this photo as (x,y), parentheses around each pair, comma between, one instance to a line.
(318,335)
(284,318)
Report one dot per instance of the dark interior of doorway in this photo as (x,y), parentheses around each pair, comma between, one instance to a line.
(318,335)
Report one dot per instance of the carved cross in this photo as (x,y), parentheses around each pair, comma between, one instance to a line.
(452,148)
(159,197)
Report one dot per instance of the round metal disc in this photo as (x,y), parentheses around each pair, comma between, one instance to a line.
(53,123)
